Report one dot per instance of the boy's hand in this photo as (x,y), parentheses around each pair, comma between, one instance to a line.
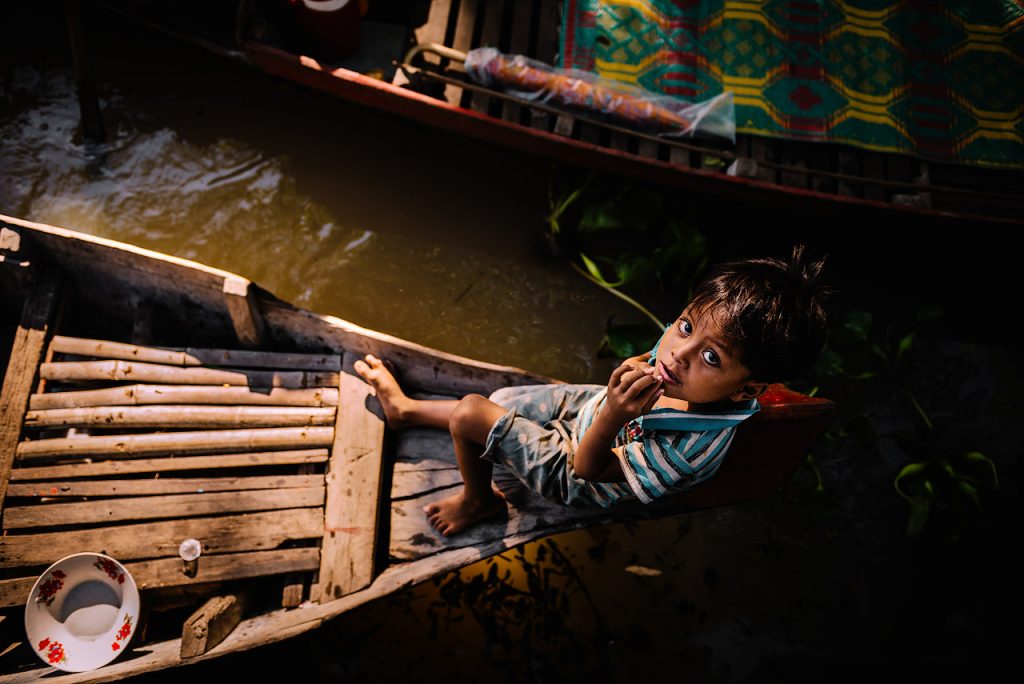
(632,392)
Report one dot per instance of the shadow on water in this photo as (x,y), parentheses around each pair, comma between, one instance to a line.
(435,239)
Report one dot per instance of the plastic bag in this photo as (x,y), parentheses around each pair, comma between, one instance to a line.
(587,93)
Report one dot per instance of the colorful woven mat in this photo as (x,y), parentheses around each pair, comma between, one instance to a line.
(942,80)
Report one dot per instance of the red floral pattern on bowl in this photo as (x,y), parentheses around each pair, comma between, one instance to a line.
(53,651)
(50,586)
(108,566)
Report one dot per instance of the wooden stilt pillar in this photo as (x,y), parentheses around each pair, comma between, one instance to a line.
(88,102)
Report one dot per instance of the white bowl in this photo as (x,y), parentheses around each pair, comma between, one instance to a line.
(82,612)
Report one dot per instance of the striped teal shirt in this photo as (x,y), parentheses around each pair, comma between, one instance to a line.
(666,450)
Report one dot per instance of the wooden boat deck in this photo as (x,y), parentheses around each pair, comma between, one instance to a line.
(819,178)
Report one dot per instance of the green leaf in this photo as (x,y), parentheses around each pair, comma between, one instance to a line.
(713,162)
(632,268)
(603,216)
(829,364)
(904,345)
(595,271)
(624,340)
(978,457)
(970,492)
(919,507)
(857,324)
(909,470)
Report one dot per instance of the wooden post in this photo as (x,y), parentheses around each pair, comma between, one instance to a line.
(29,344)
(353,492)
(244,312)
(88,103)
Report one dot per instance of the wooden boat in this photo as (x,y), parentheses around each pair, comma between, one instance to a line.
(812,178)
(148,399)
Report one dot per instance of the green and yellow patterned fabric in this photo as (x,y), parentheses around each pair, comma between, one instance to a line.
(939,79)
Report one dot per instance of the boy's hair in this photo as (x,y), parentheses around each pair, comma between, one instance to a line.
(771,310)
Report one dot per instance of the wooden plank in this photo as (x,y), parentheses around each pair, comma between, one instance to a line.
(243,309)
(848,164)
(353,492)
(462,40)
(166,506)
(219,534)
(209,625)
(180,417)
(28,347)
(151,444)
(162,485)
(161,465)
(519,44)
(167,572)
(133,395)
(70,371)
(191,356)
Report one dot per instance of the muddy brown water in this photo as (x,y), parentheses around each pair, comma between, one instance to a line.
(435,239)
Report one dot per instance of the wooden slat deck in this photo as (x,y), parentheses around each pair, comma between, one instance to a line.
(104,492)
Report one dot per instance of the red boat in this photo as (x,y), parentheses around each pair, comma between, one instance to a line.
(404,65)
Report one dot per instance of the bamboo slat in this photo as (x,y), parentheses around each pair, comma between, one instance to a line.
(354,480)
(134,395)
(153,507)
(167,573)
(219,534)
(176,464)
(201,441)
(29,343)
(71,371)
(182,416)
(149,487)
(190,356)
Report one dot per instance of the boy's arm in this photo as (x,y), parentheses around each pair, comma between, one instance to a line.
(631,392)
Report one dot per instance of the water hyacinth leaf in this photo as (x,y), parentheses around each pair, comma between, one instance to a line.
(632,268)
(594,270)
(855,327)
(909,470)
(904,345)
(919,507)
(623,340)
(978,457)
(599,217)
(829,364)
(969,491)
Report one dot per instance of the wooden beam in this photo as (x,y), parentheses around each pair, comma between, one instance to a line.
(208,626)
(71,371)
(191,356)
(134,395)
(29,344)
(263,531)
(244,311)
(161,485)
(121,417)
(167,506)
(168,572)
(197,442)
(353,492)
(165,465)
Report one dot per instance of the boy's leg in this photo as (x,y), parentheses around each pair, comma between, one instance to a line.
(401,410)
(471,422)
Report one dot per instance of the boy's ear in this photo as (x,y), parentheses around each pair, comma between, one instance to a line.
(750,390)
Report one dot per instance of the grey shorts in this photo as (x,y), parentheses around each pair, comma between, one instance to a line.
(536,439)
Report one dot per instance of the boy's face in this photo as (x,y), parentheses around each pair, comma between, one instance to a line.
(697,366)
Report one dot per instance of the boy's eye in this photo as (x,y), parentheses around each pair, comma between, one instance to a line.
(711,357)
(685,327)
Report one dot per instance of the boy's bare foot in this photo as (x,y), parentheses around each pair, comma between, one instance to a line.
(392,398)
(456,513)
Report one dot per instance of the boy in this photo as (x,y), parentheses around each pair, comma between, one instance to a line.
(664,422)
